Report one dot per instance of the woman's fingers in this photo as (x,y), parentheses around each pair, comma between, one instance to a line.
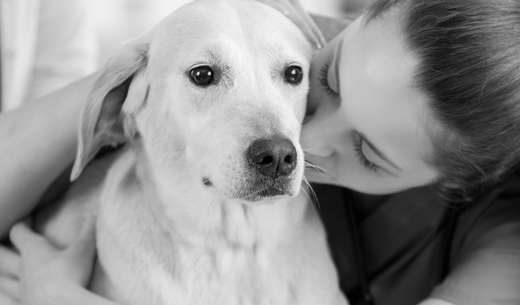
(24,238)
(294,11)
(20,235)
(44,267)
(4,300)
(310,25)
(10,288)
(9,263)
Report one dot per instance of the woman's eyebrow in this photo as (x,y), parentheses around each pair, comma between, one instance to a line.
(379,153)
(337,59)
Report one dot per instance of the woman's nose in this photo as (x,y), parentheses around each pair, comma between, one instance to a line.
(322,131)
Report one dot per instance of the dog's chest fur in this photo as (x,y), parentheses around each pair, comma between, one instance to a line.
(238,255)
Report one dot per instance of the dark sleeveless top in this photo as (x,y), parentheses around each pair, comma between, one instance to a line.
(404,244)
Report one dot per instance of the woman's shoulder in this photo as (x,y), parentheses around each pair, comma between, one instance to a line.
(489,223)
(485,261)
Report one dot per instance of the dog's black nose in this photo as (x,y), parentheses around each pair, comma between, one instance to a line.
(273,157)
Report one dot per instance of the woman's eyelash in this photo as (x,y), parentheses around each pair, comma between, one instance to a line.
(324,71)
(362,159)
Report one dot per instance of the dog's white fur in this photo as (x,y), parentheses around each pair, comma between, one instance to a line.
(163,235)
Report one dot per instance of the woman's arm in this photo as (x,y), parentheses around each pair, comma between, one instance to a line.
(80,296)
(38,141)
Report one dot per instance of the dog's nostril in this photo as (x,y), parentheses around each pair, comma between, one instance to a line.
(288,159)
(266,160)
(273,157)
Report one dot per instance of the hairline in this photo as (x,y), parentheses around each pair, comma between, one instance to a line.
(433,126)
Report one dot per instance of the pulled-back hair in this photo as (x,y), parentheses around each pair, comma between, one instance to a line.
(469,68)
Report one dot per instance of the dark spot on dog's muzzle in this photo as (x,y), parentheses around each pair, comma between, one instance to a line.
(207,182)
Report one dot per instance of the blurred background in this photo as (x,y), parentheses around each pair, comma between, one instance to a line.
(120,20)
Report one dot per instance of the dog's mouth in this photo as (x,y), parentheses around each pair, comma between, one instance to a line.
(269,193)
(258,189)
(266,194)
(267,189)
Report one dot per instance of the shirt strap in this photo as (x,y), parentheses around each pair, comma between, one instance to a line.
(1,57)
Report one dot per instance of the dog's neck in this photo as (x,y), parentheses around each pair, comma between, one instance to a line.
(235,223)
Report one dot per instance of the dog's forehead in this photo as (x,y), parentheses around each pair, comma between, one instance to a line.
(208,23)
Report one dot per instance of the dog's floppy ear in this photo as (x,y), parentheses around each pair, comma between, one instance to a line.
(102,121)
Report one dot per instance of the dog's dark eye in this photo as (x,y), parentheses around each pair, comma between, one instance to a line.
(202,76)
(293,75)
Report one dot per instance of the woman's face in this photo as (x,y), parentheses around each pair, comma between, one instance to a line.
(366,129)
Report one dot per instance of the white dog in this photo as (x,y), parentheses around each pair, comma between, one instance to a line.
(202,205)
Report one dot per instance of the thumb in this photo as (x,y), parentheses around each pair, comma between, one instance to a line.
(293,10)
(312,32)
(24,238)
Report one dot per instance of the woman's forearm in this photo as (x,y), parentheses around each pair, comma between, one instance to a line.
(79,296)
(37,142)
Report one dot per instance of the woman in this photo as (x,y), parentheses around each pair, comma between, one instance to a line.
(413,108)
(417,102)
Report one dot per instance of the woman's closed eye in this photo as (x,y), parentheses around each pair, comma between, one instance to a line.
(358,142)
(324,81)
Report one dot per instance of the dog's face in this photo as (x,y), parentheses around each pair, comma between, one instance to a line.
(218,94)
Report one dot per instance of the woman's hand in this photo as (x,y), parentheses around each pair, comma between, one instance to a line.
(9,270)
(294,11)
(43,273)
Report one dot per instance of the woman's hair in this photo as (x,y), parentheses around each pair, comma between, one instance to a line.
(469,67)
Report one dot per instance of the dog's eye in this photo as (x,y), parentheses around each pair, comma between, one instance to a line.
(293,75)
(202,76)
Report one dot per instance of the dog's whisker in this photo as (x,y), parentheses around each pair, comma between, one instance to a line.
(305,120)
(310,165)
(308,197)
(314,200)
(314,196)
(319,169)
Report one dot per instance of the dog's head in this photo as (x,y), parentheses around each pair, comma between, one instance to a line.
(216,93)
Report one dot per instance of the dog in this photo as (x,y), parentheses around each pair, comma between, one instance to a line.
(202,204)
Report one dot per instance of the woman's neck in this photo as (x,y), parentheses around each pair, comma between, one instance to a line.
(366,204)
